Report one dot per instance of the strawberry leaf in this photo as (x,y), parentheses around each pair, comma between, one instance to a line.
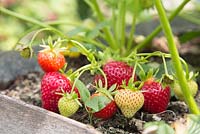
(96,31)
(97,103)
(105,92)
(84,92)
(76,31)
(193,124)
(158,127)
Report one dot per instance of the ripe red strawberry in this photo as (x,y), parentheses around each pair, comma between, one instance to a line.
(156,98)
(50,60)
(116,72)
(51,84)
(108,110)
(129,101)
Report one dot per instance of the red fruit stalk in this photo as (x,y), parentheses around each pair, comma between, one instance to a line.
(51,84)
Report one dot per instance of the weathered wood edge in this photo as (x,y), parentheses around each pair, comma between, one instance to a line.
(19,117)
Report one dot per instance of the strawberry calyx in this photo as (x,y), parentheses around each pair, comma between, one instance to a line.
(132,85)
(147,76)
(103,90)
(70,96)
(54,47)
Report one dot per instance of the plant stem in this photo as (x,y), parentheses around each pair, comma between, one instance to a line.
(133,25)
(159,28)
(30,20)
(114,21)
(165,65)
(94,42)
(85,67)
(109,36)
(105,78)
(121,24)
(165,55)
(175,58)
(84,51)
(77,78)
(131,36)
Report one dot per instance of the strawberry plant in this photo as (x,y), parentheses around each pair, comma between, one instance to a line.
(115,60)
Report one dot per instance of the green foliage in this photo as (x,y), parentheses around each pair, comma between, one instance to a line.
(46,10)
(84,92)
(193,124)
(97,103)
(189,36)
(160,127)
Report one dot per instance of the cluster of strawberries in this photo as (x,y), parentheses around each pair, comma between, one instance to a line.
(152,97)
(58,96)
(54,84)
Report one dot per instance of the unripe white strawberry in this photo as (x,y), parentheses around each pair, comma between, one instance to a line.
(129,101)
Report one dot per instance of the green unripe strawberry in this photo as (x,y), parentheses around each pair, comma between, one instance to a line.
(178,92)
(129,101)
(67,106)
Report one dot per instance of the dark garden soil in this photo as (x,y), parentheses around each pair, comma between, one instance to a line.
(27,88)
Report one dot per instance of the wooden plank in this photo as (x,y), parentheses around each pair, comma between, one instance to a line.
(17,117)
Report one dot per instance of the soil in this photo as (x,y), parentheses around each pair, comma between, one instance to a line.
(27,89)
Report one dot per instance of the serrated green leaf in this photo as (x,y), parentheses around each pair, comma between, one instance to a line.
(193,124)
(105,92)
(170,69)
(93,103)
(84,92)
(164,128)
(95,32)
(161,127)
(97,103)
(76,31)
(189,36)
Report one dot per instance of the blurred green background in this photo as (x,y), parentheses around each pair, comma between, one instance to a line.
(11,29)
(67,13)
